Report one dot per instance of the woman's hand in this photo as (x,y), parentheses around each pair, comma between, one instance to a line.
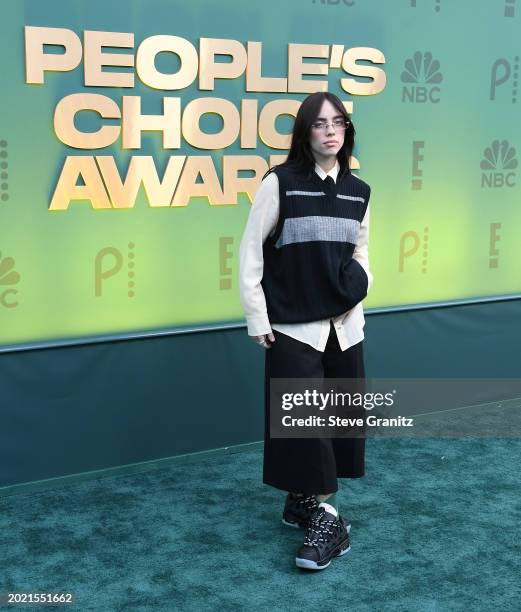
(266,340)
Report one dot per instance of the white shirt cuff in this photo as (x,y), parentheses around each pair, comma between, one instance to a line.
(258,326)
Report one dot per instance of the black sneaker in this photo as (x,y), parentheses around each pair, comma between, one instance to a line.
(327,536)
(298,511)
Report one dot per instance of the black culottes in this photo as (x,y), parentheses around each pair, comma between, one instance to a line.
(310,465)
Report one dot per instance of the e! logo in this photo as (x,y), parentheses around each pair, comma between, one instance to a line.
(225,255)
(510,7)
(417,157)
(493,251)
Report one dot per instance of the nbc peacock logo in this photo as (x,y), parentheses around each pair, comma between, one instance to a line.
(498,165)
(423,74)
(8,278)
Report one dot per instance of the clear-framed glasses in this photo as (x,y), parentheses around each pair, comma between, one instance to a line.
(338,124)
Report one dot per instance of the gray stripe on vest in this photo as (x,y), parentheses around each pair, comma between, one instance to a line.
(346,197)
(330,229)
(306,193)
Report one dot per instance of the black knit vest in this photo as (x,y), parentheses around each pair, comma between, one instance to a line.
(309,270)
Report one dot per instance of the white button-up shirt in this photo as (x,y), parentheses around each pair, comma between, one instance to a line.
(262,220)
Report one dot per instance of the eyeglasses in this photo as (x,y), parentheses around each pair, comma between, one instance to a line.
(338,124)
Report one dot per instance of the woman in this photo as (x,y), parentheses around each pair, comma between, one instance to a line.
(304,270)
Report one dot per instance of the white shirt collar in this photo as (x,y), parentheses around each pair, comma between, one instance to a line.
(333,172)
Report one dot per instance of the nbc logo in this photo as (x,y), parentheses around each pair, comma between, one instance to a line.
(423,72)
(8,276)
(498,165)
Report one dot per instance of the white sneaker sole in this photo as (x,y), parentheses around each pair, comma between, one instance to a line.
(294,525)
(308,564)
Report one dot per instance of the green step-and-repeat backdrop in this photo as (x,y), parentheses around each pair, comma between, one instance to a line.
(135,133)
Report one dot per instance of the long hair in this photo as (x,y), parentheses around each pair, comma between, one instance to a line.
(300,157)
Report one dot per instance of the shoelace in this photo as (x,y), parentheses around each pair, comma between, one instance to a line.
(318,527)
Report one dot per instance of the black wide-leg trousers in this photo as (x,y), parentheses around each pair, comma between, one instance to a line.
(310,465)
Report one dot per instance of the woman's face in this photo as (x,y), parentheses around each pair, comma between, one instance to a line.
(326,142)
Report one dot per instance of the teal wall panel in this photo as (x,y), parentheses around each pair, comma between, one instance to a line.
(76,409)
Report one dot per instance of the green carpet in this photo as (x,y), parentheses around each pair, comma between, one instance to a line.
(435,527)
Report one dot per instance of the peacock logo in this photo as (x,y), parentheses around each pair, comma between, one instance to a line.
(422,73)
(8,277)
(498,164)
(422,68)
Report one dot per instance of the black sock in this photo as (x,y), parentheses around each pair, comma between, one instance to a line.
(295,495)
